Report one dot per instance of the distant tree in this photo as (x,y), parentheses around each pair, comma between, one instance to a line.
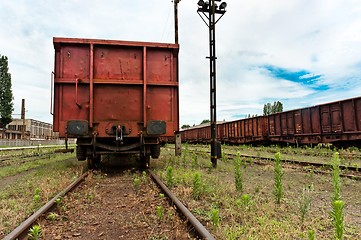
(6,94)
(272,108)
(185,126)
(277,107)
(205,121)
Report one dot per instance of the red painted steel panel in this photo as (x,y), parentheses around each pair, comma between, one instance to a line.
(298,122)
(108,82)
(348,113)
(118,62)
(315,120)
(306,120)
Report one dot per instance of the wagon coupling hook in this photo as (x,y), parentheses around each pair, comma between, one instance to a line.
(119,134)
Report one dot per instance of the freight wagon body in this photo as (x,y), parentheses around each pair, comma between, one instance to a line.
(115,96)
(247,130)
(334,122)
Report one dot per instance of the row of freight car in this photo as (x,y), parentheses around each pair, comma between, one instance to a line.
(336,122)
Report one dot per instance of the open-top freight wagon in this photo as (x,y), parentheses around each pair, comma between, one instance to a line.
(115,97)
(337,122)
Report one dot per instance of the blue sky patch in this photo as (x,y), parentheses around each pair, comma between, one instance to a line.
(303,77)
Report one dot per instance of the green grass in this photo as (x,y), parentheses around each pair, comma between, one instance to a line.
(19,166)
(318,153)
(35,188)
(253,213)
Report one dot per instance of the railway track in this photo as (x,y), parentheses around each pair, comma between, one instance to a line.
(21,231)
(198,227)
(194,227)
(19,159)
(326,166)
(322,168)
(7,149)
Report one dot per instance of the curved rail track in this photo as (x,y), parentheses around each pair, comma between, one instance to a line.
(197,228)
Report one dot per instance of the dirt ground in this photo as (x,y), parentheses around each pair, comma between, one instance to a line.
(107,206)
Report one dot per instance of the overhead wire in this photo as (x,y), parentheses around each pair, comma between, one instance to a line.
(166,24)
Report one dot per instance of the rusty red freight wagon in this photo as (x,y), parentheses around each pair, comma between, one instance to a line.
(336,122)
(115,96)
(246,130)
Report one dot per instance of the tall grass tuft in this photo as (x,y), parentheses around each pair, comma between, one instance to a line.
(215,216)
(238,173)
(185,154)
(195,163)
(197,186)
(337,203)
(337,216)
(35,232)
(336,177)
(305,201)
(311,234)
(169,176)
(160,212)
(136,183)
(278,173)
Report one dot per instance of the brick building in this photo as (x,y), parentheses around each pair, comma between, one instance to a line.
(28,129)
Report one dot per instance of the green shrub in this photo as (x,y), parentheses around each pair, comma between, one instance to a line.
(278,173)
(35,232)
(305,201)
(337,218)
(136,183)
(197,186)
(336,180)
(195,161)
(311,234)
(238,173)
(160,212)
(169,176)
(215,216)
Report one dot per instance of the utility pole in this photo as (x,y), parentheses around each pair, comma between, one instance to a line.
(212,9)
(178,140)
(176,20)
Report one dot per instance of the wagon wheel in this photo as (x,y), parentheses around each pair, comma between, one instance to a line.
(90,163)
(94,162)
(144,161)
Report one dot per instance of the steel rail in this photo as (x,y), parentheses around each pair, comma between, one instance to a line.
(15,159)
(303,163)
(201,230)
(24,226)
(30,147)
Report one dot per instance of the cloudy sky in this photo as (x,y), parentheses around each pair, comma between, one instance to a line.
(299,52)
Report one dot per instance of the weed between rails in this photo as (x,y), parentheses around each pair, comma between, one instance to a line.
(253,212)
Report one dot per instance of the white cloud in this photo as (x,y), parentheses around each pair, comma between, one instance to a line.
(321,37)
